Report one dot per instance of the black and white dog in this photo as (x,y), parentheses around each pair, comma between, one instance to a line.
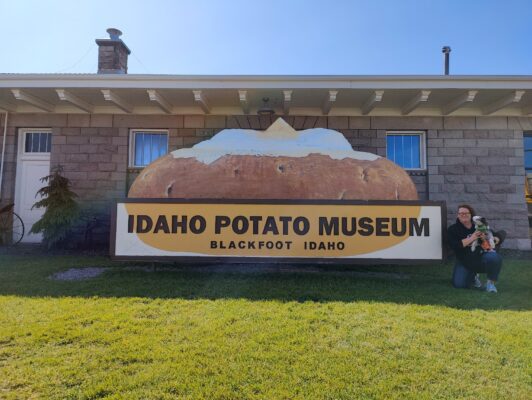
(488,243)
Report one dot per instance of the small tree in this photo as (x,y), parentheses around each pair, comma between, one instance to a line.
(61,208)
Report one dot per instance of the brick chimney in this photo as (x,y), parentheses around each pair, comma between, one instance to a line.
(112,53)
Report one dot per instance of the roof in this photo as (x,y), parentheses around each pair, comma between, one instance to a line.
(392,95)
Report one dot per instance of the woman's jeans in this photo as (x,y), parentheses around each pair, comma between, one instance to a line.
(490,263)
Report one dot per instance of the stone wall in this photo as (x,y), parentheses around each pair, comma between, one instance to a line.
(476,160)
(484,168)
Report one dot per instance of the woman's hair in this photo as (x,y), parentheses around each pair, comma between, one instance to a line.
(471,209)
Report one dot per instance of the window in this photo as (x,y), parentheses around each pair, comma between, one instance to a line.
(406,149)
(528,151)
(37,142)
(147,146)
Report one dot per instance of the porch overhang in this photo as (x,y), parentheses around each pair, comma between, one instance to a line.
(289,95)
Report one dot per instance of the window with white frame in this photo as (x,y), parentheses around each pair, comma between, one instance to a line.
(146,146)
(406,149)
(37,141)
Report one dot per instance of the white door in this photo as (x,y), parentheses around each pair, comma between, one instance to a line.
(33,163)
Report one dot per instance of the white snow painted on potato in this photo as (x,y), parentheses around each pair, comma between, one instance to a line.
(280,139)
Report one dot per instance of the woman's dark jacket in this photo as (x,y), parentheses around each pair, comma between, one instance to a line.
(469,259)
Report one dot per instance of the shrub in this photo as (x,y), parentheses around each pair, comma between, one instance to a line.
(62,210)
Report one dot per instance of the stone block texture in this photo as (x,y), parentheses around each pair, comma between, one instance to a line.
(475,160)
(479,167)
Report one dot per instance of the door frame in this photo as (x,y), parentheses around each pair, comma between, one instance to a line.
(22,156)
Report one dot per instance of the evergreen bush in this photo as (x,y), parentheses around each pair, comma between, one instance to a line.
(62,211)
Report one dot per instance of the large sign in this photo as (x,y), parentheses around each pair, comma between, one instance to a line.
(282,230)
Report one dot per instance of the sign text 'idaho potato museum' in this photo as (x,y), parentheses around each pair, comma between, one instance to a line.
(346,230)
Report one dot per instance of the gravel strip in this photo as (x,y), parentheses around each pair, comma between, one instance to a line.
(78,274)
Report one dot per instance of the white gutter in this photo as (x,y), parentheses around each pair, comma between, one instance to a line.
(132,81)
(3,155)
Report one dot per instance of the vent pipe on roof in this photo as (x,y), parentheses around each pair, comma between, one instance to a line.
(114,34)
(446,50)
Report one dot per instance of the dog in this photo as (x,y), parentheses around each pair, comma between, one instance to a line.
(488,242)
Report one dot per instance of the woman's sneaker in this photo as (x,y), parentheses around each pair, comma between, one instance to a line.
(490,287)
(477,284)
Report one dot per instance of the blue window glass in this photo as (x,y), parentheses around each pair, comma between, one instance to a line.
(528,160)
(399,156)
(43,140)
(139,145)
(35,143)
(27,147)
(404,150)
(415,151)
(38,142)
(528,151)
(149,146)
(146,150)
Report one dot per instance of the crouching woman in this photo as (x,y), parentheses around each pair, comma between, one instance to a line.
(469,264)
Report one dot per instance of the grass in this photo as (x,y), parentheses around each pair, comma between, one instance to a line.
(230,335)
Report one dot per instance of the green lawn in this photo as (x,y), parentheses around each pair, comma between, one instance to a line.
(231,335)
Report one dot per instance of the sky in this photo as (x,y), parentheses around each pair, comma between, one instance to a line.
(271,37)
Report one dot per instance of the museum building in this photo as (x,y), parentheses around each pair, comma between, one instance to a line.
(462,139)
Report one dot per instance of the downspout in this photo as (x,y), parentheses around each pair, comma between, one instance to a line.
(3,155)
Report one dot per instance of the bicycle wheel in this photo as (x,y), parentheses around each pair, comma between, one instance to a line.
(11,229)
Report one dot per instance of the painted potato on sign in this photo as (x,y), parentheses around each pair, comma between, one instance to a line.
(279,163)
